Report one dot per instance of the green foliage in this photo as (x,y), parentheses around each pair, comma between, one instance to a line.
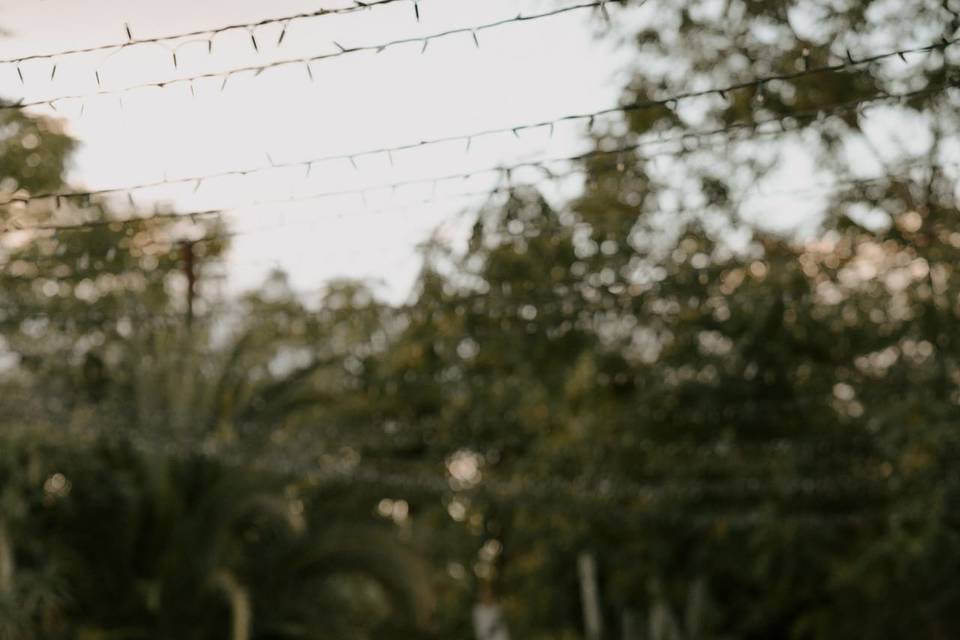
(753,428)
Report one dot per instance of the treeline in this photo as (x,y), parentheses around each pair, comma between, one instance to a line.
(749,432)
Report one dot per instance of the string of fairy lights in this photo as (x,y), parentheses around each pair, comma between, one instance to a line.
(838,187)
(210,34)
(755,84)
(339,50)
(682,146)
(73,201)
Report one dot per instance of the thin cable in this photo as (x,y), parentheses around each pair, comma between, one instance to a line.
(543,165)
(205,33)
(424,41)
(194,215)
(835,188)
(92,224)
(823,190)
(848,63)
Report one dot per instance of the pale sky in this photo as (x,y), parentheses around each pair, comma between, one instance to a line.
(521,73)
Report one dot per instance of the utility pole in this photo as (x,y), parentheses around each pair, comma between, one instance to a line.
(189,269)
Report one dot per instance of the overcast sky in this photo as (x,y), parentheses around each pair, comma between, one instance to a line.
(521,73)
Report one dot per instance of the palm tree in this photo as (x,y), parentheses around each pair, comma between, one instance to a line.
(31,594)
(182,545)
(201,551)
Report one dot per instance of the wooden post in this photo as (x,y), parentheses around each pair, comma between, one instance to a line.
(189,270)
(488,621)
(590,596)
(6,559)
(632,625)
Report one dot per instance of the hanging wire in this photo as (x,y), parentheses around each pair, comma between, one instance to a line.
(341,51)
(785,124)
(836,188)
(540,491)
(207,34)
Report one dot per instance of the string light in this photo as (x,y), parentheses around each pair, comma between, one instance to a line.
(207,34)
(341,51)
(751,126)
(669,102)
(511,188)
(541,490)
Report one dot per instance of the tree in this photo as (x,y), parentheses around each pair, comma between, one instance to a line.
(204,550)
(758,381)
(657,372)
(112,393)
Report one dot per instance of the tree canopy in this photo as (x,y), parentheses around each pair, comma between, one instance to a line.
(747,424)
